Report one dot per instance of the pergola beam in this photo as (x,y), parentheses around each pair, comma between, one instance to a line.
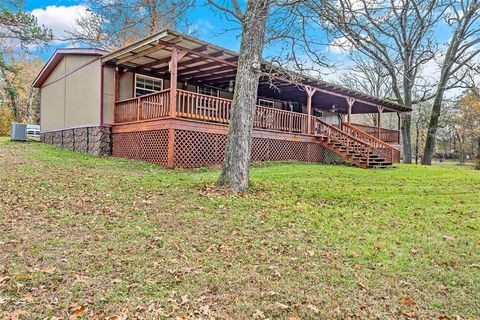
(140,54)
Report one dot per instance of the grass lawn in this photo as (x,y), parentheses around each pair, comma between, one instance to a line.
(104,238)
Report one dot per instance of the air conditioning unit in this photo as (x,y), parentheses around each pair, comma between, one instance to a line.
(18,132)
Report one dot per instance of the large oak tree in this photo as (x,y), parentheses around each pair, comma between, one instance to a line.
(398,35)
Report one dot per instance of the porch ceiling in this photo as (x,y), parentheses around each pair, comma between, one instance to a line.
(206,63)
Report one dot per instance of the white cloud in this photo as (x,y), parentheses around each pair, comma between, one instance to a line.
(201,28)
(341,45)
(59,18)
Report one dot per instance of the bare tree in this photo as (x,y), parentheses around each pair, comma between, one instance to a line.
(463,48)
(396,34)
(262,22)
(235,171)
(109,24)
(369,77)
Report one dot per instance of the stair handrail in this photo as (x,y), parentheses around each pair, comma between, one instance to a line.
(392,153)
(369,147)
(349,125)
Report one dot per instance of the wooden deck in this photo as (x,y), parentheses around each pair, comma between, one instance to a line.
(191,132)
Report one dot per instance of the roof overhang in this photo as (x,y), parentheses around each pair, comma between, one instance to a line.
(209,64)
(57,57)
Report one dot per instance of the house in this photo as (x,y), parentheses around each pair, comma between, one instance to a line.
(166,99)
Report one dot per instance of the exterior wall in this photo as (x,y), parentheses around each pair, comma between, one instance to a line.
(331,118)
(108,94)
(71,95)
(52,102)
(92,140)
(125,85)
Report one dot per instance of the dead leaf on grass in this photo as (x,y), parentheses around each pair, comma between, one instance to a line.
(259,315)
(49,270)
(408,313)
(407,301)
(281,306)
(4,280)
(77,311)
(313,308)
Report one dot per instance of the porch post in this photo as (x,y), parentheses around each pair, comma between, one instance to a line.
(379,120)
(350,102)
(399,115)
(310,92)
(173,82)
(116,91)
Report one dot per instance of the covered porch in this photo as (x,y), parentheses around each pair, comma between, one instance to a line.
(184,77)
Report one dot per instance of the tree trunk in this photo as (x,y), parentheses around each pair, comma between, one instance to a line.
(30,105)
(406,139)
(477,165)
(235,171)
(417,142)
(433,127)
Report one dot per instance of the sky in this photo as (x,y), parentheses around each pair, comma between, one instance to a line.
(60,15)
(208,24)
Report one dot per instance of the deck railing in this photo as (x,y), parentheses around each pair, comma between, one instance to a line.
(388,135)
(215,109)
(380,147)
(193,105)
(350,142)
(198,106)
(151,106)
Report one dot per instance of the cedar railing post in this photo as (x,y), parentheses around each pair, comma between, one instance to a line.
(310,92)
(177,55)
(140,108)
(379,120)
(173,82)
(116,93)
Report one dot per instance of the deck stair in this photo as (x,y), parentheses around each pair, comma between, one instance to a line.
(356,146)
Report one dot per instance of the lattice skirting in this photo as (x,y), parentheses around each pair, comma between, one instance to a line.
(149,146)
(93,140)
(201,149)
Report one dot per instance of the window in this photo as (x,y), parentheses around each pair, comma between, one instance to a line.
(266,103)
(318,114)
(146,85)
(208,91)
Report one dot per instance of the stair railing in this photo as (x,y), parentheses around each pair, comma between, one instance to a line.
(349,142)
(380,147)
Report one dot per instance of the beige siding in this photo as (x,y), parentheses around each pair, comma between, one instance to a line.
(82,103)
(52,103)
(70,96)
(126,86)
(108,94)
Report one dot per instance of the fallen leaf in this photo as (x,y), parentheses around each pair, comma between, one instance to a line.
(258,315)
(50,270)
(313,308)
(77,311)
(408,301)
(294,318)
(281,306)
(408,313)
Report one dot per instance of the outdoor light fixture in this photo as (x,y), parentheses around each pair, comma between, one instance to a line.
(230,86)
(334,108)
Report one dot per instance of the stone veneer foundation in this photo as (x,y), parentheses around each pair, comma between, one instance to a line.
(93,140)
